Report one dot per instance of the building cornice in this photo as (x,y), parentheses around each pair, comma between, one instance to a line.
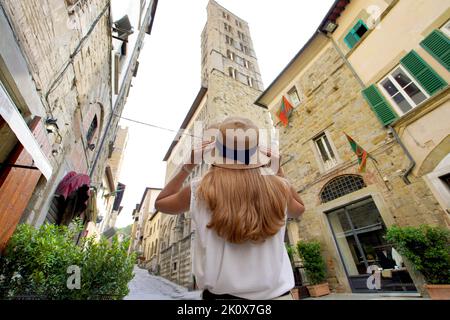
(198,99)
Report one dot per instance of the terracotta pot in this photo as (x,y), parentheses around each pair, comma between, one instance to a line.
(438,291)
(319,290)
(295,293)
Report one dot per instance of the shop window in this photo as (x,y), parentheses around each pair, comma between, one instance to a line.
(360,236)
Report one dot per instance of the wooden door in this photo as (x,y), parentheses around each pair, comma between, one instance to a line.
(17,184)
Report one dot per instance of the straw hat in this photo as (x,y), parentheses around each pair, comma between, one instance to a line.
(236,145)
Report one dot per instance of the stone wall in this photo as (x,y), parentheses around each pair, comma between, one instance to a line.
(175,262)
(229,97)
(334,104)
(68,56)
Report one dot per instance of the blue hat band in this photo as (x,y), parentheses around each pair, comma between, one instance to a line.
(242,156)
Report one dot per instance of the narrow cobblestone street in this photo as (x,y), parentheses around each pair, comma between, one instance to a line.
(145,286)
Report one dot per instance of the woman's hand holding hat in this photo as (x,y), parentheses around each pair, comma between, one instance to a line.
(275,158)
(197,155)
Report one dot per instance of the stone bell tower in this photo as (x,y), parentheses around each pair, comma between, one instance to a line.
(230,69)
(230,84)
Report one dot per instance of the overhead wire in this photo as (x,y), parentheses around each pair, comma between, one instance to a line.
(179,132)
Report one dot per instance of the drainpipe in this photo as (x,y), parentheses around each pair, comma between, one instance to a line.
(342,55)
(412,163)
(391,130)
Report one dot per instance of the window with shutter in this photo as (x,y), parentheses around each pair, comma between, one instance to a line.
(402,90)
(355,34)
(423,73)
(351,39)
(379,105)
(438,45)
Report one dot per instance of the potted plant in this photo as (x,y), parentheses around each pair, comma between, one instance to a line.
(290,251)
(428,250)
(310,253)
(299,291)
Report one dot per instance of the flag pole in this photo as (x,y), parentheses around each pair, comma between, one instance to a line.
(375,164)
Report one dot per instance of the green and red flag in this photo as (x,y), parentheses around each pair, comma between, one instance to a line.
(285,111)
(360,153)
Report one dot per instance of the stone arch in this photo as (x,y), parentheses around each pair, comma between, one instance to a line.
(171,232)
(164,236)
(89,112)
(179,227)
(340,186)
(434,158)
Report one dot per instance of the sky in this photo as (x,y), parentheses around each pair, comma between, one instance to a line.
(168,78)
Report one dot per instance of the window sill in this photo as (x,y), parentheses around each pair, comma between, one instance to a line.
(325,172)
(422,109)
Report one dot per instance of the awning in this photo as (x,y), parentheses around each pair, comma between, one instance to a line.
(72,182)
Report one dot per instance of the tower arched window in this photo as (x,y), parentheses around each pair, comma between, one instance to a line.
(340,186)
(232,72)
(92,128)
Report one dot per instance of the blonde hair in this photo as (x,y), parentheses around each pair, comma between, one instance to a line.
(245,205)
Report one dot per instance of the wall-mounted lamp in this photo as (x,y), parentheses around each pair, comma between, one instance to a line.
(330,26)
(51,125)
(113,193)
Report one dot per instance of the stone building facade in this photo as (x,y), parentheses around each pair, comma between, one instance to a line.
(329,82)
(231,82)
(146,236)
(58,102)
(113,194)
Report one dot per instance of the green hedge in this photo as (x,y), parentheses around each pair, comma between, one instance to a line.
(36,261)
(428,249)
(313,262)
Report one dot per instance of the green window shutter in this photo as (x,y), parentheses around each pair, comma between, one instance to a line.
(351,39)
(423,73)
(379,105)
(438,45)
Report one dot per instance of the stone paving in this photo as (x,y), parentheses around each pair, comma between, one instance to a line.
(368,296)
(145,286)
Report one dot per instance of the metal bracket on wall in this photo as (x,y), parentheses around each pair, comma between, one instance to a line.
(2,165)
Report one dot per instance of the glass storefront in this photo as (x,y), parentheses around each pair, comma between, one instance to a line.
(370,262)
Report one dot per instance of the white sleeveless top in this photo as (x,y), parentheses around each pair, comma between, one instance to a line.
(254,271)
